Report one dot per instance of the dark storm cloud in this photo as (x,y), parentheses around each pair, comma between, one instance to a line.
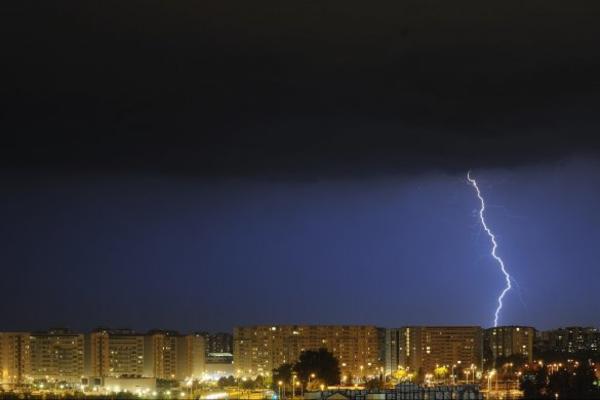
(244,88)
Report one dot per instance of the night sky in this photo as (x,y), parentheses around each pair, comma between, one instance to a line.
(199,165)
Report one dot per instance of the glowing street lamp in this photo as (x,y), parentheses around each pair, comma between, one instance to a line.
(490,375)
(453,379)
(293,386)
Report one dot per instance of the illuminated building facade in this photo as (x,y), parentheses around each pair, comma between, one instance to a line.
(573,339)
(426,347)
(116,353)
(15,359)
(260,349)
(220,342)
(395,354)
(162,354)
(195,358)
(57,355)
(506,341)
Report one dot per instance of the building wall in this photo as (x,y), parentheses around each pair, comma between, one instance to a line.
(163,357)
(133,385)
(15,357)
(57,355)
(395,354)
(429,346)
(116,353)
(195,356)
(573,339)
(260,349)
(505,341)
(219,342)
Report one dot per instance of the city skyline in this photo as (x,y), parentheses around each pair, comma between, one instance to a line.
(162,363)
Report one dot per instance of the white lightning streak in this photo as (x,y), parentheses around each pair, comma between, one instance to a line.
(507,277)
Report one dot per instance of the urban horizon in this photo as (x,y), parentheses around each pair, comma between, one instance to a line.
(205,330)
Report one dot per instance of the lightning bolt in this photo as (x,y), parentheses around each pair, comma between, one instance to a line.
(507,277)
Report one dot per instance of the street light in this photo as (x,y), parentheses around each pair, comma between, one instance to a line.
(279,384)
(490,375)
(293,386)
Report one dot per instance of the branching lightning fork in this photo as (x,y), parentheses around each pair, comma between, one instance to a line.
(507,277)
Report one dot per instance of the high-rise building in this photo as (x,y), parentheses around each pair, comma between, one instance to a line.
(426,347)
(169,355)
(220,342)
(15,360)
(195,356)
(572,339)
(116,353)
(506,341)
(57,355)
(161,354)
(260,349)
(395,355)
(164,355)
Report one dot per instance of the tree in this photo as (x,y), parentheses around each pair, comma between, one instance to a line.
(374,384)
(516,361)
(529,388)
(583,380)
(541,380)
(559,382)
(322,363)
(247,384)
(401,374)
(282,374)
(259,382)
(440,372)
(226,381)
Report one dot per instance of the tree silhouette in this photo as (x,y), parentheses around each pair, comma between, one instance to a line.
(283,374)
(322,363)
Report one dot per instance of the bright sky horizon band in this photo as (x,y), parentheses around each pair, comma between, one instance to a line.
(492,237)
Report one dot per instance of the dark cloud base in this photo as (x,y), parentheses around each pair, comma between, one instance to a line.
(254,88)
